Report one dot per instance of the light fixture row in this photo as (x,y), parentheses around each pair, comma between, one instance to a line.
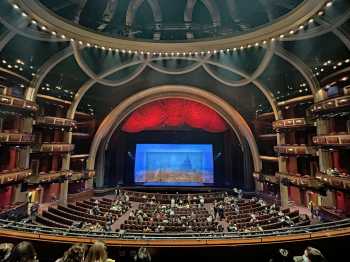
(263,43)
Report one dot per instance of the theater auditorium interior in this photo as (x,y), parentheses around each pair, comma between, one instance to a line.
(162,130)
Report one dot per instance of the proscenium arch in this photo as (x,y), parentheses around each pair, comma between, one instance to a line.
(125,108)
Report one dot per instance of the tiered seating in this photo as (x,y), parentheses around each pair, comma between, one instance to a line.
(156,218)
(252,215)
(165,198)
(72,214)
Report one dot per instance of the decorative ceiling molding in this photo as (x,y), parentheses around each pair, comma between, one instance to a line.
(22,30)
(304,70)
(100,78)
(267,93)
(45,69)
(343,36)
(45,17)
(134,5)
(5,38)
(87,85)
(322,29)
(213,11)
(200,62)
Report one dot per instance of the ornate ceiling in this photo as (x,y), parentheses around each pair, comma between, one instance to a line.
(171,20)
(95,79)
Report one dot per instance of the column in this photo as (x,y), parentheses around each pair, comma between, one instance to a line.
(100,167)
(18,196)
(24,155)
(336,160)
(282,168)
(64,192)
(12,158)
(54,163)
(65,166)
(325,160)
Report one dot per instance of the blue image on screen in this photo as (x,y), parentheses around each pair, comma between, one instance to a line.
(174,164)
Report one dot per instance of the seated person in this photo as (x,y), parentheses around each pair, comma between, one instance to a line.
(310,254)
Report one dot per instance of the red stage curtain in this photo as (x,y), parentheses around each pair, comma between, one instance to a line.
(174,113)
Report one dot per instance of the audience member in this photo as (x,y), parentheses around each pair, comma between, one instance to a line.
(74,254)
(97,253)
(311,254)
(5,251)
(24,252)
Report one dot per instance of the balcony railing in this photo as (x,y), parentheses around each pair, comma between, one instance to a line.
(290,123)
(295,150)
(337,182)
(49,177)
(56,147)
(80,135)
(332,140)
(266,116)
(332,104)
(301,181)
(55,121)
(266,178)
(82,175)
(18,103)
(14,176)
(10,137)
(310,232)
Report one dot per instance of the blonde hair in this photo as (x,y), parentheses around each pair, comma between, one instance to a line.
(97,252)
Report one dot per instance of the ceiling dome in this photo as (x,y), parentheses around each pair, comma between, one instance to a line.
(178,20)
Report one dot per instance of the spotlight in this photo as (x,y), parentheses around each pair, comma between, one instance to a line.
(329,4)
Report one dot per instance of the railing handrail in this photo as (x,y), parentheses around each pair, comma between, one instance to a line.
(24,227)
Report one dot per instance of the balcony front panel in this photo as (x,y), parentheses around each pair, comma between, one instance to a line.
(15,138)
(295,150)
(82,175)
(332,140)
(14,176)
(301,181)
(56,148)
(329,105)
(18,103)
(55,121)
(337,182)
(52,176)
(290,123)
(266,178)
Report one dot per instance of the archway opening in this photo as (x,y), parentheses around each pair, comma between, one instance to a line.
(116,120)
(174,142)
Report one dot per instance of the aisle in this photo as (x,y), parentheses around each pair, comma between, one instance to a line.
(124,217)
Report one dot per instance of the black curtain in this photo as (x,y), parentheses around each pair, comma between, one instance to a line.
(227,154)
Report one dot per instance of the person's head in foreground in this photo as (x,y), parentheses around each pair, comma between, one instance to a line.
(310,255)
(5,251)
(74,254)
(24,252)
(97,253)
